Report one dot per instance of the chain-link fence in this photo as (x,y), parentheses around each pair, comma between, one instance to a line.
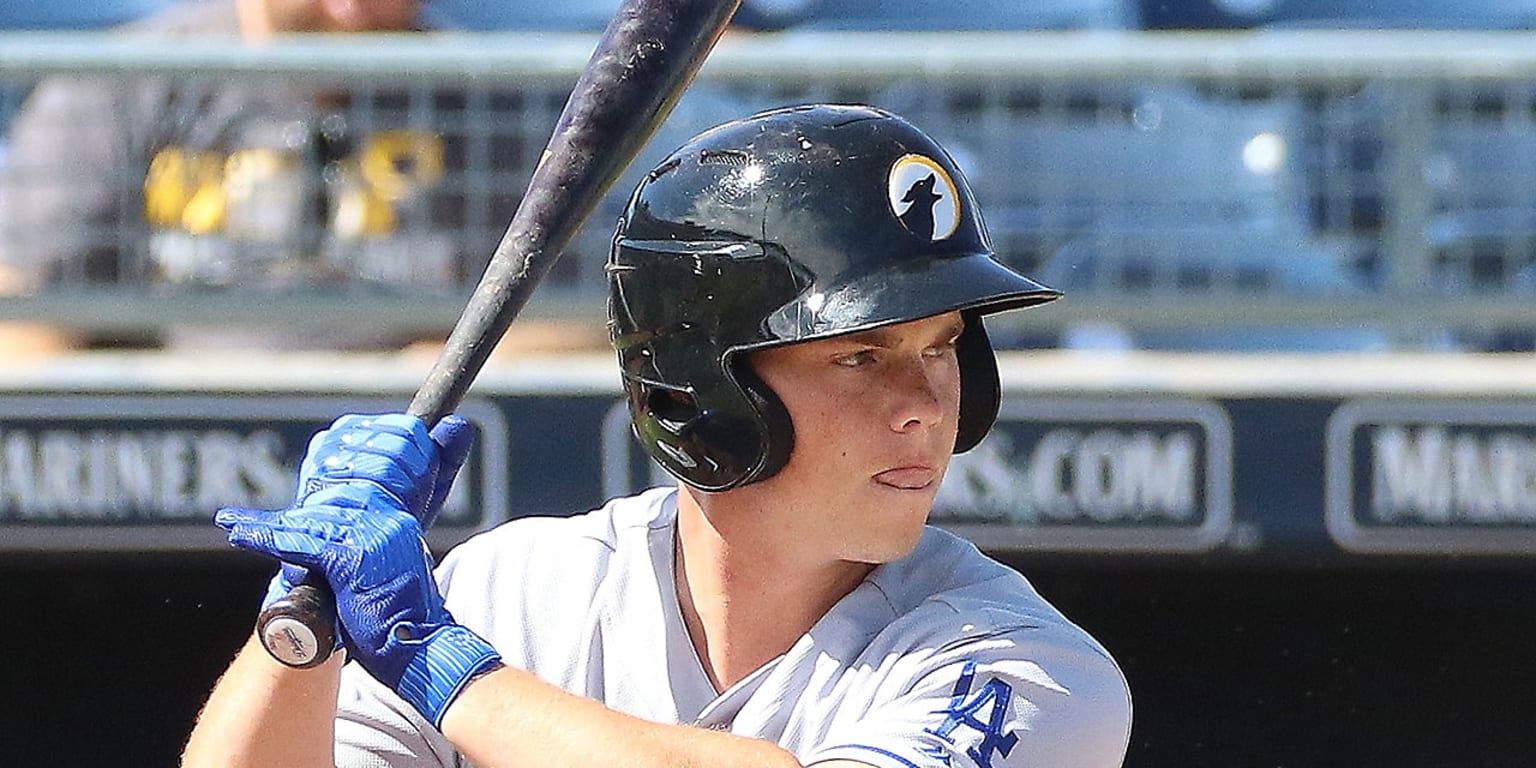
(1297,190)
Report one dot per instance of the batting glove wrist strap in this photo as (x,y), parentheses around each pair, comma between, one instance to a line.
(447,660)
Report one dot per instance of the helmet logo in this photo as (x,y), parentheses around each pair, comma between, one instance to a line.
(924,197)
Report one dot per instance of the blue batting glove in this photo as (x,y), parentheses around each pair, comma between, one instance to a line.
(394,451)
(389,451)
(371,551)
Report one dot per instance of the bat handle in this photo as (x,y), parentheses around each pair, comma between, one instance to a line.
(299,629)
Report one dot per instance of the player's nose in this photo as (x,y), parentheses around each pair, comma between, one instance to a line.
(918,394)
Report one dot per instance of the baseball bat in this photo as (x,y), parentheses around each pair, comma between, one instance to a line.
(646,57)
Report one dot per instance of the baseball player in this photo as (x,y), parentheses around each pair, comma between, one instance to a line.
(796,303)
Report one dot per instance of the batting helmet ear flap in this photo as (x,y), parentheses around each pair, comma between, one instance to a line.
(711,450)
(778,426)
(980,391)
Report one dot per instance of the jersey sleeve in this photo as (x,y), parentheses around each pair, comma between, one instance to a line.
(1023,696)
(375,728)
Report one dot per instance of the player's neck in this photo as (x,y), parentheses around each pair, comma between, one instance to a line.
(746,598)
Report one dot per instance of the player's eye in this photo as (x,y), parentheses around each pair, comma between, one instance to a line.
(855,359)
(942,349)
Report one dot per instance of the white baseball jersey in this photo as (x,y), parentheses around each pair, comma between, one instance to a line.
(944,659)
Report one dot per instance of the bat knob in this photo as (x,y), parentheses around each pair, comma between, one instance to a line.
(299,629)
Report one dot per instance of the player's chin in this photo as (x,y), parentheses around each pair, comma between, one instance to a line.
(887,546)
(894,532)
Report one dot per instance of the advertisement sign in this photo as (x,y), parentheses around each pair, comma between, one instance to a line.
(1426,477)
(138,472)
(1095,474)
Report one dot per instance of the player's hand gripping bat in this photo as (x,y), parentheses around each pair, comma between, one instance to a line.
(646,58)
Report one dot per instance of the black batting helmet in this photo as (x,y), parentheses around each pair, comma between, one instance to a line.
(791,225)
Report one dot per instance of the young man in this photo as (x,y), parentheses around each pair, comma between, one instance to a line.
(796,302)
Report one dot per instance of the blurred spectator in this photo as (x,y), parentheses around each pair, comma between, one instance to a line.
(113,180)
(265,182)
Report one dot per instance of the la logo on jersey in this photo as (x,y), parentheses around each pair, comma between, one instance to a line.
(923,197)
(980,717)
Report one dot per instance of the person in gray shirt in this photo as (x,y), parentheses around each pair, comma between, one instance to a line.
(114,180)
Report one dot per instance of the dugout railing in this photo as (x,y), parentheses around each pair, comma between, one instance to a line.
(1275,190)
